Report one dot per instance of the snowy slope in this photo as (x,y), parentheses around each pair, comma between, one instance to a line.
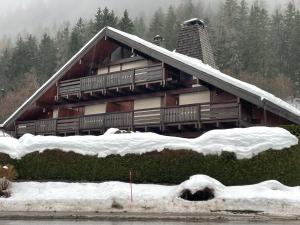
(268,197)
(245,142)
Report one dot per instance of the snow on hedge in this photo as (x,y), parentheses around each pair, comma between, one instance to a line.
(269,197)
(245,142)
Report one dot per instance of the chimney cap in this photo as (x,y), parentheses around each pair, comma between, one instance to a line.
(158,37)
(194,21)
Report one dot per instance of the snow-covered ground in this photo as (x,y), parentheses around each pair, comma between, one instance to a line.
(270,197)
(245,142)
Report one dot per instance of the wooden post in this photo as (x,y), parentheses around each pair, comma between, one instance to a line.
(199,115)
(57,92)
(239,111)
(265,117)
(164,74)
(133,80)
(130,182)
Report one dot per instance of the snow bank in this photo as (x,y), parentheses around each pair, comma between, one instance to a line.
(3,134)
(269,197)
(244,142)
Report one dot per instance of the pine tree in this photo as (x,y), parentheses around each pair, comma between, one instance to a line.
(296,54)
(62,45)
(242,29)
(104,18)
(171,27)
(188,10)
(126,23)
(19,61)
(31,49)
(227,37)
(156,25)
(257,49)
(140,27)
(46,58)
(291,62)
(5,60)
(276,38)
(77,37)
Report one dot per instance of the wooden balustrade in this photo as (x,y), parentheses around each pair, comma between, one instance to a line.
(110,80)
(69,87)
(186,114)
(182,114)
(147,116)
(92,122)
(45,126)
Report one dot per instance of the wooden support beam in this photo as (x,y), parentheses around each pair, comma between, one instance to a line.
(265,119)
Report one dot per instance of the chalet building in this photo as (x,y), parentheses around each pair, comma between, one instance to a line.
(120,80)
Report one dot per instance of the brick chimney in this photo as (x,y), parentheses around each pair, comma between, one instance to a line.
(193,41)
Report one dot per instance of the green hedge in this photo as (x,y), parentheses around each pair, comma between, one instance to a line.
(294,129)
(167,167)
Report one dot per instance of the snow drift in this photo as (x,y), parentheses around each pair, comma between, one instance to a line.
(267,197)
(244,142)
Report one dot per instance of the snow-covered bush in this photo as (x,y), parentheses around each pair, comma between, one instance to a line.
(9,172)
(4,182)
(199,188)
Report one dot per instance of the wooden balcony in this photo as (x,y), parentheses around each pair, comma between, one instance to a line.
(162,118)
(126,78)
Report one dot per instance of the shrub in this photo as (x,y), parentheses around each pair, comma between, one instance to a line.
(8,171)
(294,129)
(202,195)
(166,167)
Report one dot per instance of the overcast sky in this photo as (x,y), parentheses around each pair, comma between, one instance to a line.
(34,16)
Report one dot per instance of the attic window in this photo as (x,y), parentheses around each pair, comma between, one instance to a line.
(120,53)
(201,195)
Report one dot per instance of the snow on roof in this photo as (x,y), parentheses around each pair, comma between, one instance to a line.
(194,21)
(199,65)
(244,142)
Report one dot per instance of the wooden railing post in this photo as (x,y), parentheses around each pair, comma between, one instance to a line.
(199,114)
(55,127)
(133,80)
(164,74)
(132,120)
(162,118)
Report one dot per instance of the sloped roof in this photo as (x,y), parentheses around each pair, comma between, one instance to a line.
(187,64)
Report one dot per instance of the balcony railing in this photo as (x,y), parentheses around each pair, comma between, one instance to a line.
(189,114)
(123,78)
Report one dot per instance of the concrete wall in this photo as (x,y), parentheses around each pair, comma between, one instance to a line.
(147,103)
(135,64)
(55,113)
(103,70)
(95,109)
(194,98)
(125,66)
(114,68)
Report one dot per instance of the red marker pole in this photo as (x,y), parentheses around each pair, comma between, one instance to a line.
(130,181)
